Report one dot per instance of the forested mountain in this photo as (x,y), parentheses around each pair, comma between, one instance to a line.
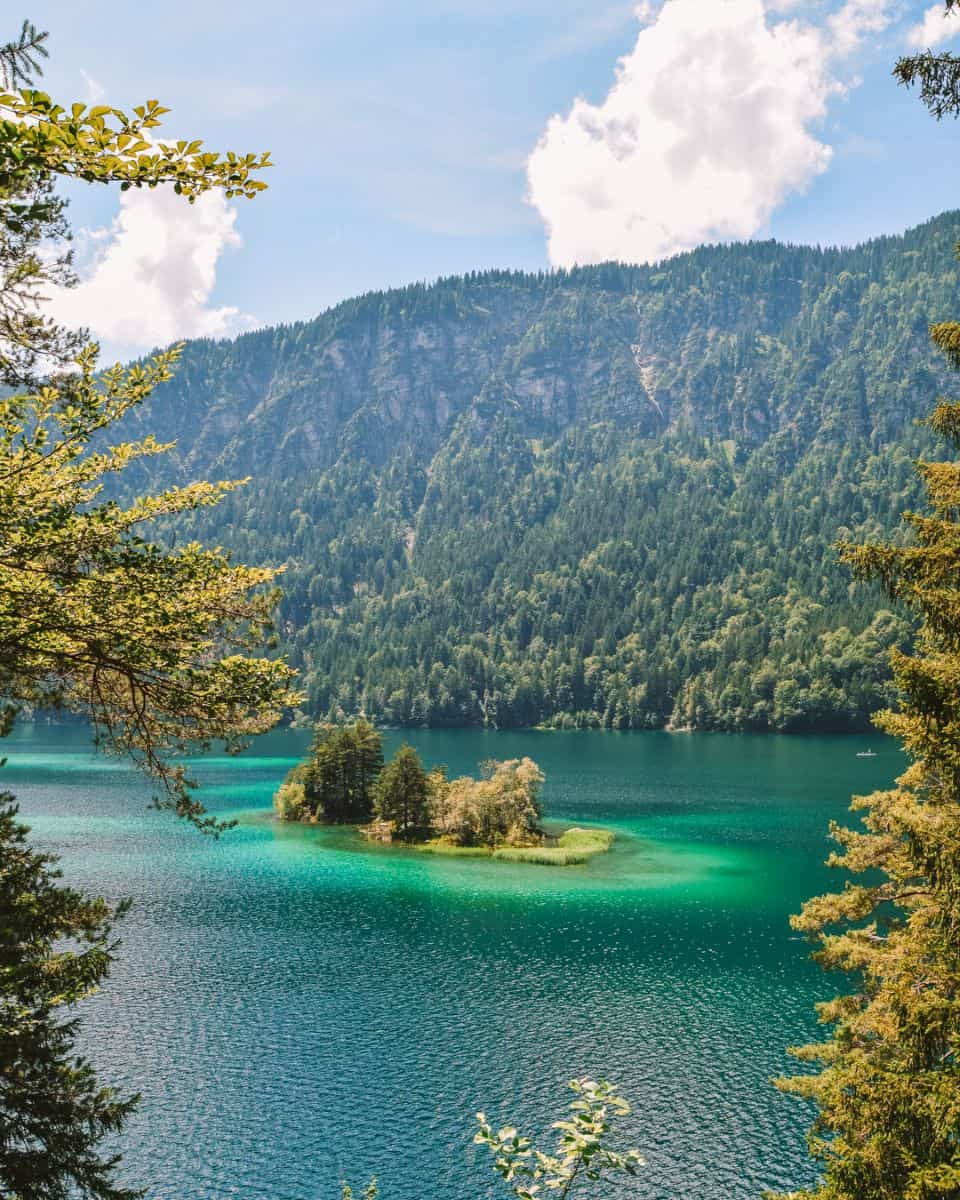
(609,495)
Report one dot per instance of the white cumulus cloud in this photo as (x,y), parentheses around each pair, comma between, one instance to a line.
(152,273)
(847,27)
(937,26)
(710,124)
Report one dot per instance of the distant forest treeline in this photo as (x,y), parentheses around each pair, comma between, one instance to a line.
(608,496)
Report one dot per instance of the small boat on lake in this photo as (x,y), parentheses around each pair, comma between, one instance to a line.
(866,754)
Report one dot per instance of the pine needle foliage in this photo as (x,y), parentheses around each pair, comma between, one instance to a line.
(937,75)
(402,794)
(55,948)
(20,57)
(888,1091)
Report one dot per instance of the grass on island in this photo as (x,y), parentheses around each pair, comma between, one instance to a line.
(438,846)
(589,841)
(571,849)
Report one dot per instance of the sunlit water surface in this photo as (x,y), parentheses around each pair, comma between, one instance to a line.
(297,1008)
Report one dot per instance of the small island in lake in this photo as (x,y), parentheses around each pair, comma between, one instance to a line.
(344,781)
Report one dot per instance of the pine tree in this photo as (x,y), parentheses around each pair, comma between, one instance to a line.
(341,772)
(55,948)
(322,775)
(402,793)
(889,1089)
(367,761)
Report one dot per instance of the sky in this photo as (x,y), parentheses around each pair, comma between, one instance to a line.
(440,136)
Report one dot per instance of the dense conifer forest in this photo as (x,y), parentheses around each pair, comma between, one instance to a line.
(609,496)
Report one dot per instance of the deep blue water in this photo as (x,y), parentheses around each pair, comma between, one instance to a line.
(296,1007)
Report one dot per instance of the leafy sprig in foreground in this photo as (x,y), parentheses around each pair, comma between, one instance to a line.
(583,1152)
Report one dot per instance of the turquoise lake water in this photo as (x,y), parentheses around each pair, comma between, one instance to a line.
(296,1007)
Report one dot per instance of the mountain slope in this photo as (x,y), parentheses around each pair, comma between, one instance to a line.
(601,496)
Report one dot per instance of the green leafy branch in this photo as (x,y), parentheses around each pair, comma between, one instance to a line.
(106,145)
(583,1149)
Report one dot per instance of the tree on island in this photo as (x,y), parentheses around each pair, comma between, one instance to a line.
(402,794)
(367,749)
(344,782)
(503,807)
(290,799)
(339,777)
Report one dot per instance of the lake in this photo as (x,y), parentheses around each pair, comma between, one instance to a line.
(297,1007)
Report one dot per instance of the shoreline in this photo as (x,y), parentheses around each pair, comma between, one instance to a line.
(575,846)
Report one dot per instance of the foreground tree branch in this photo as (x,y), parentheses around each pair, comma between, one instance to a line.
(152,644)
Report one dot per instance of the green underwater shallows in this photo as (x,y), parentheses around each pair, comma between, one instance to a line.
(613,859)
(296,1004)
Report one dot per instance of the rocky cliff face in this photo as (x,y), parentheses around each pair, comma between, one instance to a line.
(732,342)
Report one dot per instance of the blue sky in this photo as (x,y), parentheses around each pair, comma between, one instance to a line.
(402,135)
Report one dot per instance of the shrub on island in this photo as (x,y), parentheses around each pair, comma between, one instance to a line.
(290,800)
(502,808)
